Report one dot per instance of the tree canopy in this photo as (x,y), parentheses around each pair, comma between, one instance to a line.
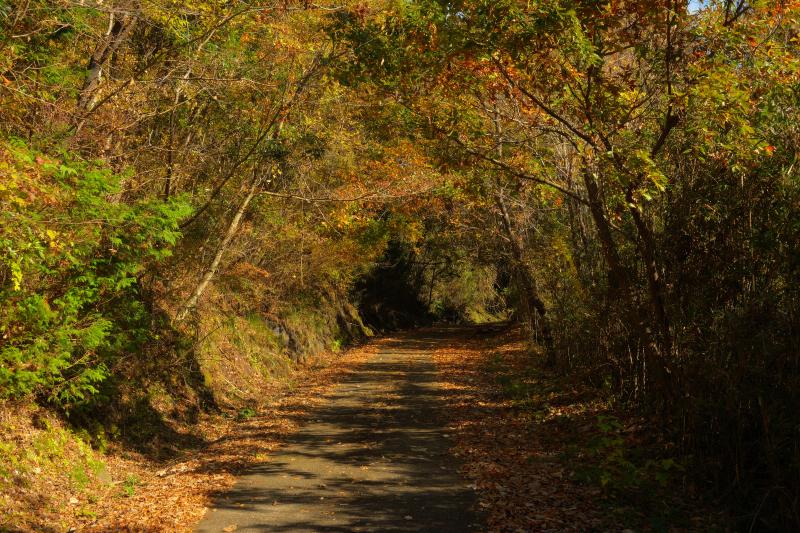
(619,177)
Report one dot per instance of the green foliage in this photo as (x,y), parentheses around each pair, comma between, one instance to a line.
(79,477)
(614,469)
(465,292)
(95,435)
(634,485)
(129,485)
(616,466)
(245,413)
(71,255)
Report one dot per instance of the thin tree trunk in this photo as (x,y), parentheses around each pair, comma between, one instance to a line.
(654,282)
(118,32)
(191,303)
(620,287)
(578,239)
(531,295)
(168,184)
(617,277)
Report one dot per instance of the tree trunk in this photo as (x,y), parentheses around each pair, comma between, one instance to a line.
(530,294)
(620,288)
(647,248)
(118,31)
(191,303)
(617,277)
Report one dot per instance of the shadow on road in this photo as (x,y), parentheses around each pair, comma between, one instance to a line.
(374,458)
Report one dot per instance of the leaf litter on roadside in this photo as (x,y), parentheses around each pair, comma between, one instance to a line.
(175,497)
(524,435)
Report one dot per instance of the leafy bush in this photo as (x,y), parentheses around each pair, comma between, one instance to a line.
(70,254)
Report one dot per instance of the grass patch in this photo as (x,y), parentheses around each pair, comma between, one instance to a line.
(245,413)
(129,485)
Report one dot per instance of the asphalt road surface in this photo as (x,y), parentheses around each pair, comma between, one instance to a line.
(374,458)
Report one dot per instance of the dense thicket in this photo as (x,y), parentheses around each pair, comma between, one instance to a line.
(639,161)
(622,175)
(169,166)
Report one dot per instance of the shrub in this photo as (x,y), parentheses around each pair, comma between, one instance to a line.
(70,255)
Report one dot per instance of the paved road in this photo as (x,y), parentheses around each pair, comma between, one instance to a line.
(374,458)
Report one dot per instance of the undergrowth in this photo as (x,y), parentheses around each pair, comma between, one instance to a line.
(602,444)
(48,473)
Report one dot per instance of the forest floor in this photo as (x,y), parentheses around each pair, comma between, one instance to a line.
(447,428)
(548,452)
